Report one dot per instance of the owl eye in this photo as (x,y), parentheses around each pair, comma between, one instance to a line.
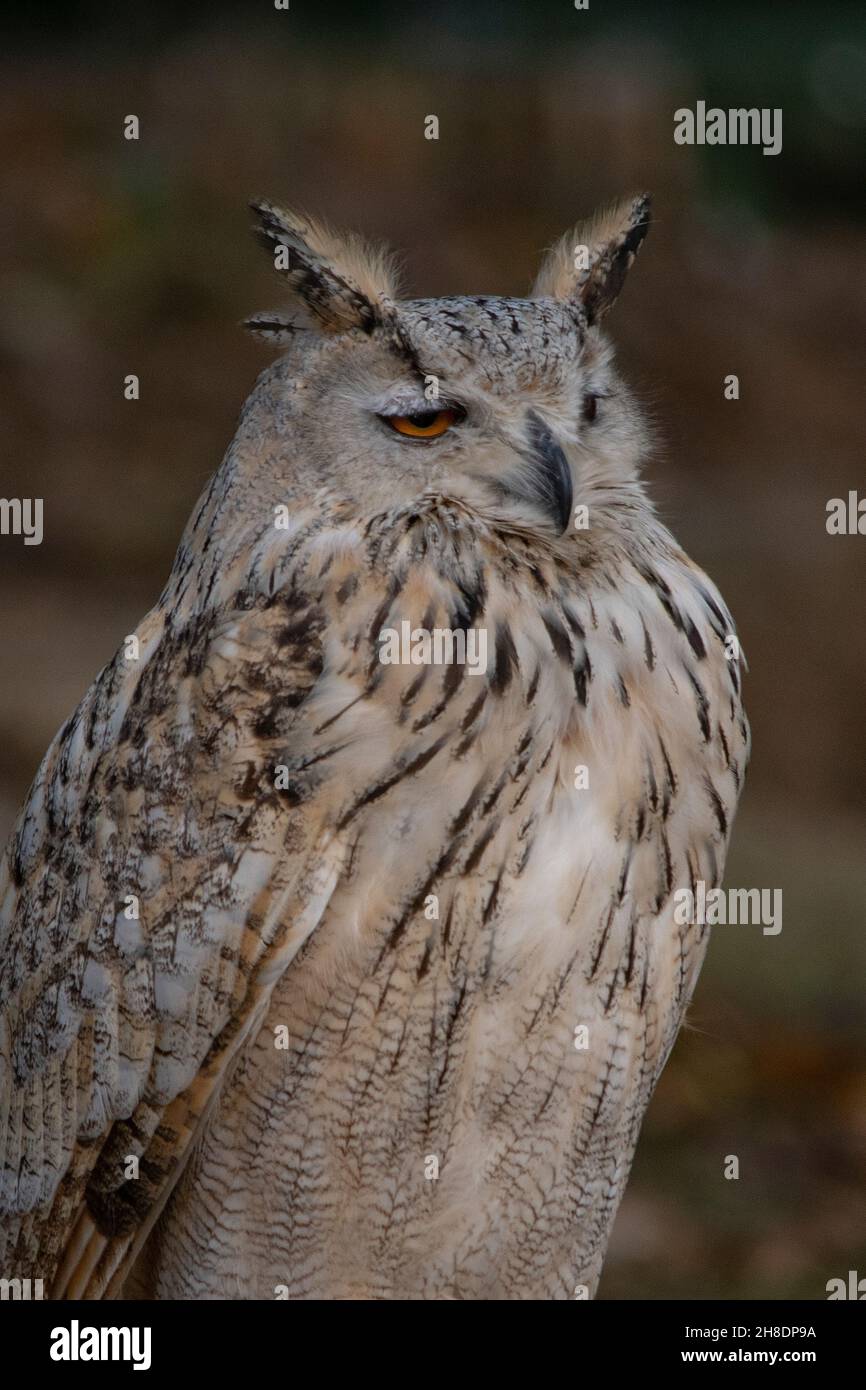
(590,408)
(424,424)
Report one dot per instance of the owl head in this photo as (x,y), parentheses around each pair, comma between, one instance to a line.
(510,407)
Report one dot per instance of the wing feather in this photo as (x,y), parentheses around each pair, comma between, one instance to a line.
(157,884)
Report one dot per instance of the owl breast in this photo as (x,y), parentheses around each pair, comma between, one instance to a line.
(444,1097)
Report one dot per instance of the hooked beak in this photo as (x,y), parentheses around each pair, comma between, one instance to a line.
(550,485)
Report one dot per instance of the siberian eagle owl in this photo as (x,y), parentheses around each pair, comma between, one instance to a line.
(339,954)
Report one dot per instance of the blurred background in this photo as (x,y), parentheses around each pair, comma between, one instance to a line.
(119,257)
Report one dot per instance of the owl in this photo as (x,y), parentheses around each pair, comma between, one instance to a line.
(340,934)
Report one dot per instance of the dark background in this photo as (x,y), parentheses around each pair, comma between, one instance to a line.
(120,257)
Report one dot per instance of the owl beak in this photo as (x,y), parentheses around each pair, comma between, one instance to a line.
(551,484)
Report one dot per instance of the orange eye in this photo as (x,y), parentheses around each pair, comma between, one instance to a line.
(423,424)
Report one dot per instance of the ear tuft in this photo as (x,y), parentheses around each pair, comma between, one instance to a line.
(589,265)
(340,280)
